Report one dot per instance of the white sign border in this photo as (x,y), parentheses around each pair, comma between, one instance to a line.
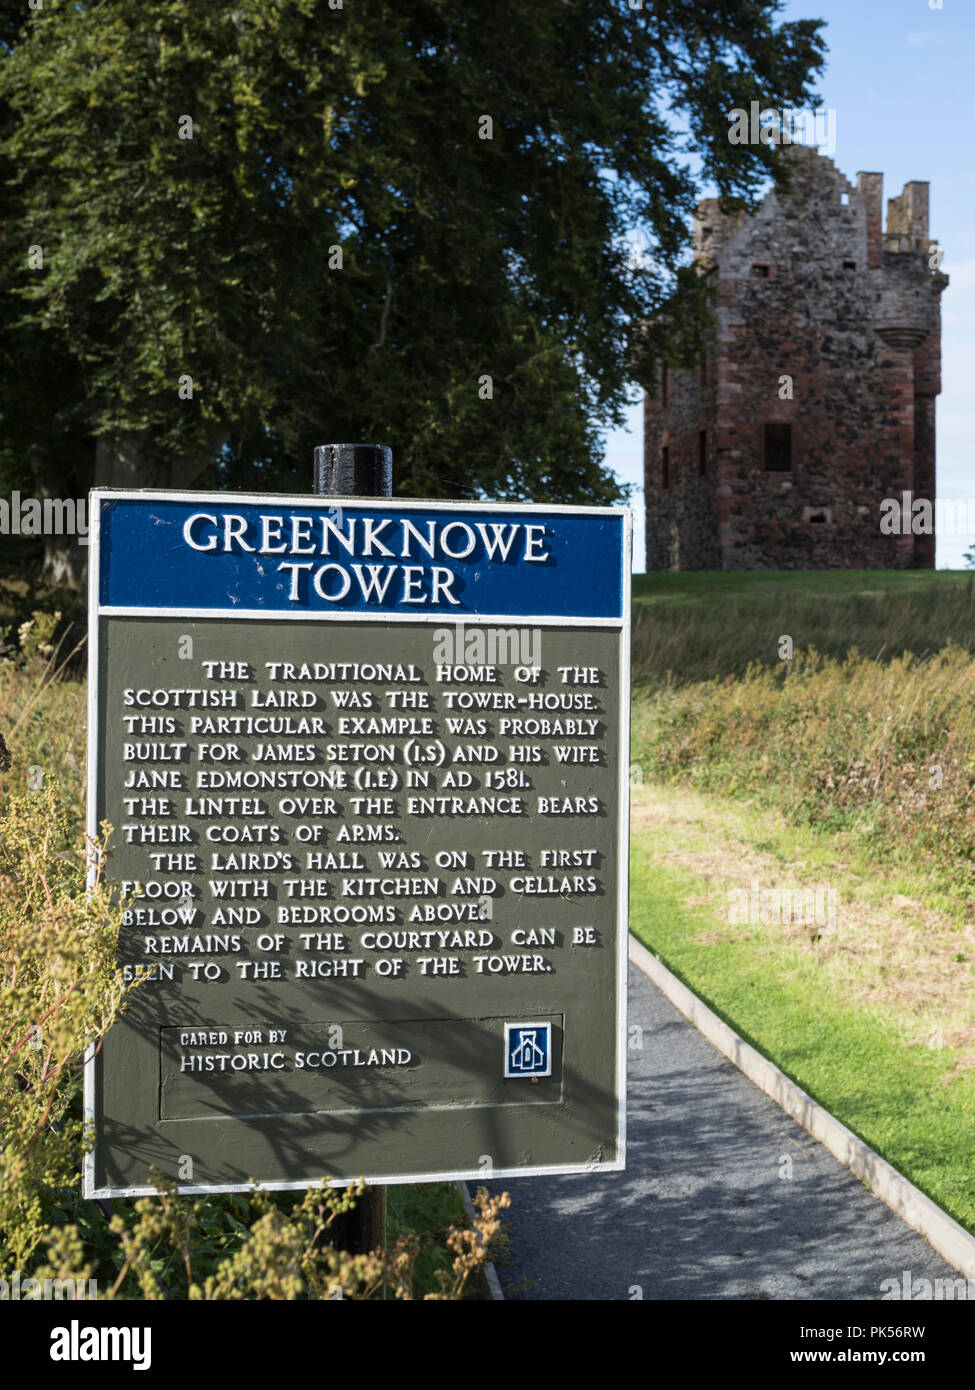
(96,612)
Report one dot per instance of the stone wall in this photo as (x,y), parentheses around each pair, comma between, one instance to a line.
(825,325)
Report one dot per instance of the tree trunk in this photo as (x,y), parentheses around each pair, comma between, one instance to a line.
(124,459)
(66,559)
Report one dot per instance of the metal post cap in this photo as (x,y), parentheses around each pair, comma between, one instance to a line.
(353,470)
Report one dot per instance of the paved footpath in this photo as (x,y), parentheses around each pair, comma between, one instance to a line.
(706,1208)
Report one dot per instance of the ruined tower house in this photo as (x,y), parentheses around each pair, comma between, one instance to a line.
(818,400)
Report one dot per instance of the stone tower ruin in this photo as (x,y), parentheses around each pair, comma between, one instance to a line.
(819,399)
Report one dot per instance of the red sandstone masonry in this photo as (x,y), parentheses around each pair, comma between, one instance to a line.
(852,315)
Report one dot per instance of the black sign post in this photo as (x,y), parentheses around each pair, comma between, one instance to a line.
(357,470)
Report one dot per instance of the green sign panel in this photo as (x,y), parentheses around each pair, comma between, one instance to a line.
(366,765)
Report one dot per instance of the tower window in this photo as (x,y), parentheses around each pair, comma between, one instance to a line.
(702,454)
(778,448)
(761,271)
(665,467)
(664,386)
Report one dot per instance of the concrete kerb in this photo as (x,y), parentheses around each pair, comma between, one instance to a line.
(943,1233)
(490,1273)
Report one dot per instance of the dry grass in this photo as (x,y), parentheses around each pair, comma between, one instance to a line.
(889,951)
(882,750)
(43,713)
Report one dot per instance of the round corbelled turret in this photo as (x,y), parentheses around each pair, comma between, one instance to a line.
(906,300)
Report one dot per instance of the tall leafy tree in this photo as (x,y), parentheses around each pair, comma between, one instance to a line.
(233,229)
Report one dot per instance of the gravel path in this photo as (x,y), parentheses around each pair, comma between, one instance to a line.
(724,1196)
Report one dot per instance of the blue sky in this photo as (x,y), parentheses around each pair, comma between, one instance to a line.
(900,76)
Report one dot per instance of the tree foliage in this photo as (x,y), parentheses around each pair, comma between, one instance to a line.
(326,131)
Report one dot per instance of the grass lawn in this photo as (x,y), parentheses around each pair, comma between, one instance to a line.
(689,627)
(701,586)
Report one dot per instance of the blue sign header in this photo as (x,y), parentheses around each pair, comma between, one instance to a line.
(319,555)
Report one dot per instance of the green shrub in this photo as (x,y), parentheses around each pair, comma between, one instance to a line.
(60,991)
(43,713)
(885,751)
